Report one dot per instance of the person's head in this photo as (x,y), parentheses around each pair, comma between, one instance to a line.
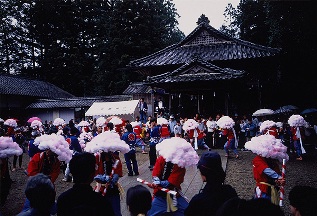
(73,131)
(110,126)
(303,200)
(253,207)
(65,130)
(82,167)
(153,121)
(137,118)
(40,192)
(210,167)
(129,127)
(138,200)
(142,99)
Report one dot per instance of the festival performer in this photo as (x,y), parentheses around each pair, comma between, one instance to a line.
(10,125)
(54,150)
(226,124)
(190,128)
(155,135)
(118,124)
(138,131)
(100,124)
(297,123)
(269,127)
(164,128)
(130,138)
(8,148)
(175,155)
(267,174)
(108,167)
(37,130)
(58,126)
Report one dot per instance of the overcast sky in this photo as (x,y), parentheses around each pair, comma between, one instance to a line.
(190,11)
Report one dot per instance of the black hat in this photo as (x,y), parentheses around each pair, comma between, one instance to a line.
(210,164)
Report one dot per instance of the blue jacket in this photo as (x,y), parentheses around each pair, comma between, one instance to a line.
(154,135)
(130,139)
(74,144)
(250,129)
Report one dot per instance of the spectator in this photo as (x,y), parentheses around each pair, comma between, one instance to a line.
(41,193)
(252,207)
(142,110)
(20,139)
(303,201)
(250,130)
(215,193)
(172,124)
(138,200)
(81,199)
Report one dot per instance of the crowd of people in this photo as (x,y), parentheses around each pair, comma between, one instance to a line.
(89,152)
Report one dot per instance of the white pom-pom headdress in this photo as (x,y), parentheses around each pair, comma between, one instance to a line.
(190,124)
(266,125)
(225,122)
(56,143)
(178,151)
(107,141)
(134,124)
(268,146)
(101,122)
(59,122)
(162,121)
(116,120)
(83,124)
(11,123)
(85,137)
(296,121)
(36,124)
(9,148)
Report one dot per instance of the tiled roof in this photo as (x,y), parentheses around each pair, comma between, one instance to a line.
(75,102)
(208,44)
(15,85)
(137,88)
(196,70)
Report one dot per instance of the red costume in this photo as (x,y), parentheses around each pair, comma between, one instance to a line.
(165,132)
(100,167)
(259,165)
(138,130)
(229,133)
(175,178)
(36,165)
(272,131)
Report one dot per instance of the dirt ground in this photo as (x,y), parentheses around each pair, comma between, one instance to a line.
(239,175)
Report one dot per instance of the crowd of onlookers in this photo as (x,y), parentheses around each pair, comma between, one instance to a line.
(102,164)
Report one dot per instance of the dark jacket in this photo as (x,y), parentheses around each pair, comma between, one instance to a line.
(209,200)
(82,200)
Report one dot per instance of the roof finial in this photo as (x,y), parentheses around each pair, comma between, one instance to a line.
(203,19)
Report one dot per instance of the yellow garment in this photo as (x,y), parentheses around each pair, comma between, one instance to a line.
(274,194)
(169,203)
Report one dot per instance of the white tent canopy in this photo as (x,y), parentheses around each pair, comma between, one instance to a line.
(112,108)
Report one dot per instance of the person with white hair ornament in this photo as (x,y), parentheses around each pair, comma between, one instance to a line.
(266,171)
(297,123)
(269,127)
(138,131)
(226,124)
(175,155)
(108,166)
(8,148)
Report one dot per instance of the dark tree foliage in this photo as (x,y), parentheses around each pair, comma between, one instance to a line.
(83,46)
(289,25)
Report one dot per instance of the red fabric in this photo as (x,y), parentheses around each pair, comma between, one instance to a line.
(229,133)
(200,133)
(165,131)
(176,178)
(272,131)
(259,165)
(36,164)
(100,169)
(190,134)
(138,130)
(301,130)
